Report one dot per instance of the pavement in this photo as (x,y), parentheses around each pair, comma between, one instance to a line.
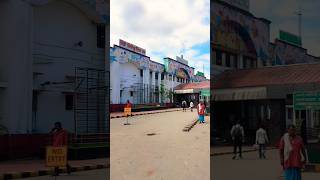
(251,167)
(32,168)
(154,147)
(222,150)
(100,174)
(114,115)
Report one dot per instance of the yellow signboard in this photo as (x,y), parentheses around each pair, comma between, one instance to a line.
(127,111)
(56,156)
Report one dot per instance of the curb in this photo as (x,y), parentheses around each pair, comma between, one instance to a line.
(190,126)
(28,174)
(227,153)
(140,114)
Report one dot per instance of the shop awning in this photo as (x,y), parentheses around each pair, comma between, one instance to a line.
(236,94)
(183,91)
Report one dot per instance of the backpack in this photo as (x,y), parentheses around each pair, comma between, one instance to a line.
(237,132)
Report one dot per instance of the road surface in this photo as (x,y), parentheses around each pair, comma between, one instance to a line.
(169,153)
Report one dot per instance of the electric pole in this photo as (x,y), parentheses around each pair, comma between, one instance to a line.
(299,14)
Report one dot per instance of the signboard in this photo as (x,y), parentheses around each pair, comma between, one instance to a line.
(132,47)
(56,156)
(306,100)
(290,38)
(242,4)
(127,111)
(181,60)
(205,92)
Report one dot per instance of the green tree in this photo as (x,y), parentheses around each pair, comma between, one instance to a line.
(165,93)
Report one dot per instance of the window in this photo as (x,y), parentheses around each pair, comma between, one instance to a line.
(219,58)
(101,35)
(69,101)
(131,93)
(156,76)
(228,60)
(162,76)
(235,62)
(141,72)
(244,62)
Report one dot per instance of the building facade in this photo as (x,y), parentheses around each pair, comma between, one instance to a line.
(240,40)
(253,79)
(38,68)
(135,77)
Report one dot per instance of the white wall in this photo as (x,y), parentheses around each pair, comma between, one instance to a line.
(16,65)
(57,27)
(130,76)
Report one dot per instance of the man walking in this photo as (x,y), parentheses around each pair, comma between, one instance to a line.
(262,140)
(201,111)
(59,139)
(292,154)
(237,134)
(184,105)
(191,106)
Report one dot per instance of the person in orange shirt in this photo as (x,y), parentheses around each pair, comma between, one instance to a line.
(128,104)
(59,139)
(201,111)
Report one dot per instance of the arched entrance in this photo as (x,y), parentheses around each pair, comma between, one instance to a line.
(183,75)
(232,40)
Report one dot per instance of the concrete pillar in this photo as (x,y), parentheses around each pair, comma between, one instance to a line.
(223,59)
(146,82)
(16,46)
(153,82)
(115,70)
(159,86)
(240,57)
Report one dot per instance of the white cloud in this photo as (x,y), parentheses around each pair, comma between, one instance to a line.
(161,26)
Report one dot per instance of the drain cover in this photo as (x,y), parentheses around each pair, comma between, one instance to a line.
(151,134)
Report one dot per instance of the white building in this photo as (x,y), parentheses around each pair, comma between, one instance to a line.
(135,77)
(41,44)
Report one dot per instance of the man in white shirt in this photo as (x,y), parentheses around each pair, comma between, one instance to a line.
(191,106)
(262,140)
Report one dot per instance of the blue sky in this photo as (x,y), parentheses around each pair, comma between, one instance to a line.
(165,28)
(281,13)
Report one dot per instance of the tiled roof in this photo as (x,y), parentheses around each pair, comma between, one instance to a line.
(195,85)
(275,75)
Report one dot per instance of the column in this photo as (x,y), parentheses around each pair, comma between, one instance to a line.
(241,61)
(153,83)
(159,86)
(146,84)
(115,82)
(16,47)
(223,59)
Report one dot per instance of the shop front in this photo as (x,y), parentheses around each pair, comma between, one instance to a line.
(306,116)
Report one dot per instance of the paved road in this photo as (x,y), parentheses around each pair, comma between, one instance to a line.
(250,168)
(101,174)
(169,154)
